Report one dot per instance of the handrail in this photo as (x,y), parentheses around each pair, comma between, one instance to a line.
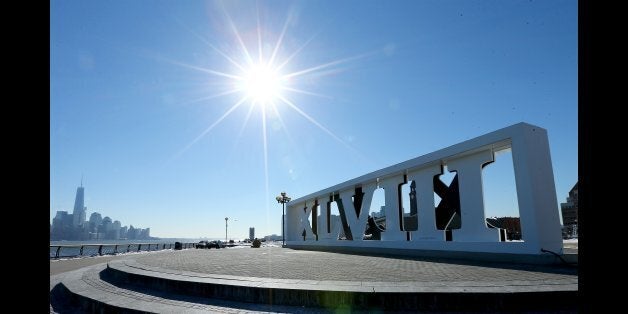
(99,249)
(107,244)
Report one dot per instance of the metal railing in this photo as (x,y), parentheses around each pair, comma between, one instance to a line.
(83,250)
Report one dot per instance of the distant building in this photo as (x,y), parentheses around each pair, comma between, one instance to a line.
(106,228)
(57,222)
(123,232)
(116,229)
(569,212)
(94,221)
(79,207)
(251,233)
(144,234)
(96,218)
(60,225)
(131,233)
(273,237)
(413,205)
(68,221)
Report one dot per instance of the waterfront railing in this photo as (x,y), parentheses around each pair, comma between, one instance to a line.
(84,250)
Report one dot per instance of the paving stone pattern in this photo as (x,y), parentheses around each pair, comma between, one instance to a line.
(281,268)
(281,263)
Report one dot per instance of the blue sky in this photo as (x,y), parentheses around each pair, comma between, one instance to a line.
(143,100)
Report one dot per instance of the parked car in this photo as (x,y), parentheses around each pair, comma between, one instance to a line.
(202,245)
(214,244)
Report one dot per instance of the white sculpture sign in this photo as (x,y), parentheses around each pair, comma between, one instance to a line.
(538,210)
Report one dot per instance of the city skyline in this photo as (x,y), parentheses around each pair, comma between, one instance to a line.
(182,114)
(76,227)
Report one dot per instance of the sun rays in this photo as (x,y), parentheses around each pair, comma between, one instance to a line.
(260,81)
(264,82)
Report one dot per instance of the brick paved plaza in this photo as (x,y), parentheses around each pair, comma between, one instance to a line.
(278,263)
(272,279)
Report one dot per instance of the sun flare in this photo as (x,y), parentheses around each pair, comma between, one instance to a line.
(259,81)
(262,84)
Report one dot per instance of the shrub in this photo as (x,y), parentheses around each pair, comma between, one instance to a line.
(256,243)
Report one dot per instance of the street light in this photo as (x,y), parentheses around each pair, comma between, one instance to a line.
(283,199)
(226,219)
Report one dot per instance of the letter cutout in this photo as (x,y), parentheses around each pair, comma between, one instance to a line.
(391,195)
(357,224)
(473,221)
(325,223)
(424,179)
(304,221)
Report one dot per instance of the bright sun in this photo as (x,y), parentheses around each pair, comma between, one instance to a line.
(260,81)
(262,84)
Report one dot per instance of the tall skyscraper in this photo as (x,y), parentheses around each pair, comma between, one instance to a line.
(251,233)
(78,214)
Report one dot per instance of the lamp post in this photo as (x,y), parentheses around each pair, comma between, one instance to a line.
(283,199)
(226,219)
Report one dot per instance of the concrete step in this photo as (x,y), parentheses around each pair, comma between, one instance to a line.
(354,295)
(129,286)
(85,291)
(571,258)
